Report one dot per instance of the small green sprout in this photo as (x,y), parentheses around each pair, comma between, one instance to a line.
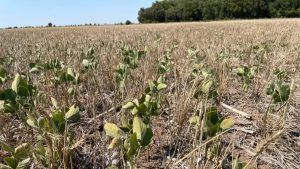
(247,75)
(136,133)
(3,75)
(279,90)
(88,59)
(209,86)
(193,53)
(129,62)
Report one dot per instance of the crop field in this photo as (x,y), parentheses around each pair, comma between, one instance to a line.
(221,94)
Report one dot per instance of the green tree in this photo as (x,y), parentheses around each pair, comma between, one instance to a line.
(49,24)
(195,10)
(128,22)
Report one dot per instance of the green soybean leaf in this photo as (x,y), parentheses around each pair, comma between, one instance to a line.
(112,130)
(85,63)
(54,103)
(11,161)
(161,79)
(271,88)
(5,167)
(282,92)
(241,71)
(251,73)
(116,142)
(40,154)
(134,111)
(194,120)
(31,123)
(20,86)
(147,135)
(16,82)
(227,123)
(59,122)
(147,98)
(6,147)
(8,94)
(73,116)
(206,86)
(22,151)
(142,109)
(212,129)
(131,146)
(43,123)
(23,164)
(23,91)
(3,73)
(212,115)
(129,105)
(125,124)
(71,91)
(161,86)
(34,68)
(138,127)
(2,104)
(77,78)
(70,72)
(10,107)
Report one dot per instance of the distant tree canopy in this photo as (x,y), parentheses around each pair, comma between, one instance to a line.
(196,10)
(128,22)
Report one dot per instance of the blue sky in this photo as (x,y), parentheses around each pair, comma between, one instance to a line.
(66,12)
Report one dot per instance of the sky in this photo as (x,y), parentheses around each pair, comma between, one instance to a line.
(67,12)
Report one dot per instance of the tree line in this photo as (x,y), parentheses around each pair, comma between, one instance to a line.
(197,10)
(127,22)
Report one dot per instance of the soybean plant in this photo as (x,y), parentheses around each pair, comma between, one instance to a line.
(246,74)
(19,156)
(54,137)
(129,62)
(280,92)
(135,132)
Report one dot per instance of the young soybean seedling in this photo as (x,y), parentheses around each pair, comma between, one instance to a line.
(129,62)
(52,131)
(165,64)
(278,88)
(280,92)
(246,74)
(89,59)
(212,125)
(136,133)
(19,97)
(209,86)
(53,64)
(193,53)
(132,57)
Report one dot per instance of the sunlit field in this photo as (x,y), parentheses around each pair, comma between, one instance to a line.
(221,94)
